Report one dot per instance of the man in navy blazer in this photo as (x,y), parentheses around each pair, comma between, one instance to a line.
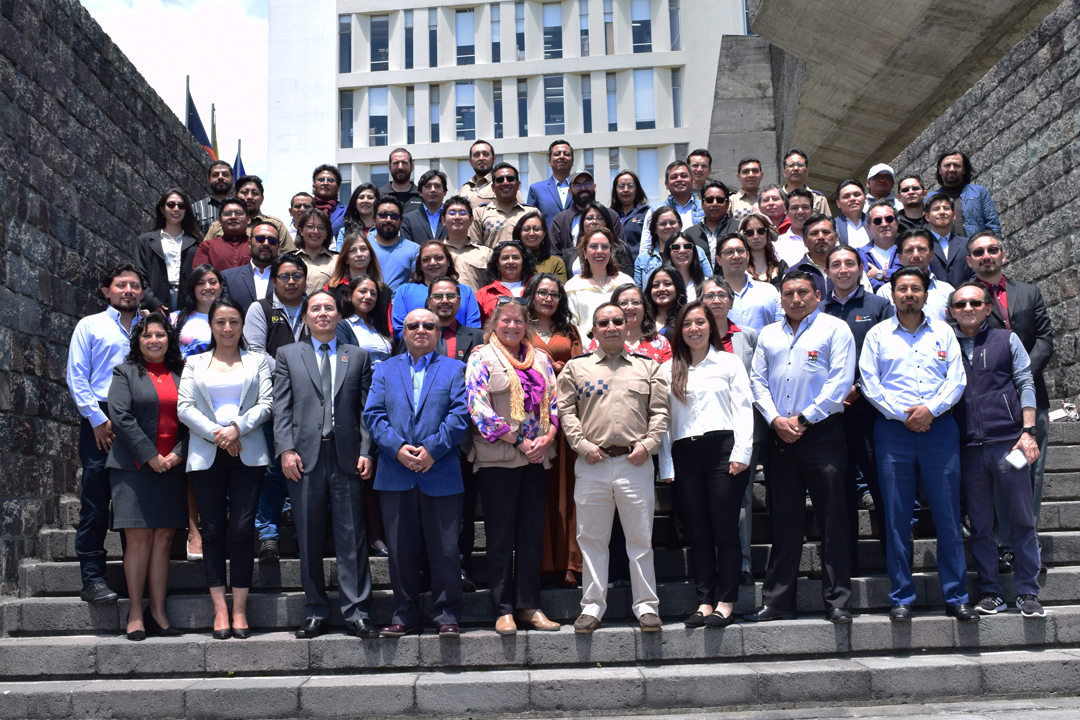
(416,412)
(949,265)
(552,196)
(241,282)
(417,224)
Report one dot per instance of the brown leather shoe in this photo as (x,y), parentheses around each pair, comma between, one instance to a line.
(536,620)
(586,624)
(649,622)
(505,625)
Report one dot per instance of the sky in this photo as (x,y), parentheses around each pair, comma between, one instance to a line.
(221,44)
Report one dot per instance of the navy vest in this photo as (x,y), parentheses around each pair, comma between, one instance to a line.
(989,412)
(278,330)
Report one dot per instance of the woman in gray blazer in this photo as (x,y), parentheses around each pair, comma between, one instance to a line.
(225,396)
(149,488)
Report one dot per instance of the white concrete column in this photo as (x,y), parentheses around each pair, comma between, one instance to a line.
(422,108)
(398,134)
(485,113)
(572,103)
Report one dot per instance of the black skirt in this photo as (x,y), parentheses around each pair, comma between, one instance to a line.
(148,499)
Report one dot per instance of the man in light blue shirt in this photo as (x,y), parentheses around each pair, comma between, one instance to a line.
(803,369)
(679,182)
(915,247)
(755,303)
(913,374)
(396,255)
(100,343)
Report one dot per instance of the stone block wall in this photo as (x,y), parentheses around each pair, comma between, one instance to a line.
(86,147)
(1020,125)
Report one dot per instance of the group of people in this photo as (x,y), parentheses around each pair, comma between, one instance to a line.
(392,360)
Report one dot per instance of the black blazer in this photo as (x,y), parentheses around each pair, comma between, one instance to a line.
(240,283)
(1031,323)
(415,227)
(150,259)
(561,238)
(955,270)
(701,239)
(466,338)
(133,411)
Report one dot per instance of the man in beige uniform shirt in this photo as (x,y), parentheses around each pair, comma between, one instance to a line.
(613,407)
(493,224)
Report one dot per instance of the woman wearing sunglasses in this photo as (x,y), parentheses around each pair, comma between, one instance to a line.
(761,234)
(166,253)
(682,254)
(510,386)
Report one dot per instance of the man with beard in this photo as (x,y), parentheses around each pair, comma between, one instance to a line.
(493,224)
(208,209)
(248,283)
(249,188)
(552,196)
(913,248)
(975,210)
(401,185)
(325,183)
(911,195)
(396,255)
(99,343)
(564,228)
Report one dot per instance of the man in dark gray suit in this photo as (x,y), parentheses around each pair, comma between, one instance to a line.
(425,222)
(320,388)
(740,341)
(254,281)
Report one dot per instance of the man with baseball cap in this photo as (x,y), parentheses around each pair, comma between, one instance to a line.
(880,181)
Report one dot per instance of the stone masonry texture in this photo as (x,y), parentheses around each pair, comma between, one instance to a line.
(86,147)
(1020,125)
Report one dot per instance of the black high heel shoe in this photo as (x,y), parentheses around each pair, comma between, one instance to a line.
(137,635)
(153,628)
(223,634)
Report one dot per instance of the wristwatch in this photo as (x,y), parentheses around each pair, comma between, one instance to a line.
(518,440)
(803,421)
(1031,430)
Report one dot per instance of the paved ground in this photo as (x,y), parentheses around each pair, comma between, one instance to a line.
(1053,708)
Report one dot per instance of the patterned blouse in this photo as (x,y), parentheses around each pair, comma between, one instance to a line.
(659,349)
(491,426)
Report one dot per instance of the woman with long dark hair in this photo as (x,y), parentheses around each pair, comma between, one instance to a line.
(760,234)
(628,199)
(166,253)
(706,453)
(642,337)
(359,215)
(146,461)
(432,262)
(510,267)
(682,254)
(531,231)
(204,285)
(665,293)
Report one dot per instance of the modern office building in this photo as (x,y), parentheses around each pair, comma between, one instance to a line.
(629,83)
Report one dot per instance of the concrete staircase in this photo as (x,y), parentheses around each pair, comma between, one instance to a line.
(60,657)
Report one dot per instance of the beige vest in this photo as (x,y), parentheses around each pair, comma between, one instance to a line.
(500,453)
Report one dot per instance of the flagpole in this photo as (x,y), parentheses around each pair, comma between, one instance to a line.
(187,101)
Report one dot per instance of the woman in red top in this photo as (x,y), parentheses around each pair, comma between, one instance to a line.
(509,269)
(149,486)
(642,337)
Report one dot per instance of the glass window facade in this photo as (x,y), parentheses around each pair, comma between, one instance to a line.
(410,115)
(344,43)
(641,25)
(496,33)
(380,42)
(465,34)
(676,24)
(465,110)
(644,100)
(586,103)
(378,116)
(433,37)
(523,107)
(612,105)
(583,23)
(497,107)
(676,96)
(552,31)
(554,110)
(345,102)
(408,39)
(433,103)
(519,29)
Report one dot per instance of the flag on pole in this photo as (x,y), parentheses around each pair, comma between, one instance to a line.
(238,164)
(195,126)
(213,130)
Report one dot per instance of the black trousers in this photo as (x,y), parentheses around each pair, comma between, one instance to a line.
(467,536)
(815,463)
(94,505)
(859,422)
(227,496)
(514,501)
(711,499)
(422,526)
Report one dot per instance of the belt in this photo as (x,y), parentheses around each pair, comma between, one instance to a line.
(712,434)
(616,450)
(328,438)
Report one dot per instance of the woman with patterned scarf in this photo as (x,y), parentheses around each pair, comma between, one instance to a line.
(511,391)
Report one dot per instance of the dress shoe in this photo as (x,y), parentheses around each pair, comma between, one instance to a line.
(268,550)
(650,622)
(98,594)
(376,551)
(286,516)
(505,625)
(312,628)
(900,613)
(747,578)
(536,620)
(718,620)
(586,624)
(695,620)
(223,634)
(838,616)
(241,633)
(963,612)
(396,630)
(467,585)
(449,630)
(766,613)
(153,628)
(362,629)
(136,635)
(569,581)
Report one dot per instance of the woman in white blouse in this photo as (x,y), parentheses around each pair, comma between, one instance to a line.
(599,276)
(166,254)
(224,398)
(706,453)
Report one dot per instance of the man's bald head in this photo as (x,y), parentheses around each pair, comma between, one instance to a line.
(421,332)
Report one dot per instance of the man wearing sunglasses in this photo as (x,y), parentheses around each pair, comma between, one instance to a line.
(1018,307)
(396,255)
(879,255)
(996,417)
(717,221)
(493,224)
(950,250)
(248,283)
(613,406)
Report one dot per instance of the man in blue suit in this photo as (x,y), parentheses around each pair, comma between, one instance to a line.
(416,413)
(552,196)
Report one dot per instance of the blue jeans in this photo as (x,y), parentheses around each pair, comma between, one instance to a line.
(273,499)
(94,507)
(902,455)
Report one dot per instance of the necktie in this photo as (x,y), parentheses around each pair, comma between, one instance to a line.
(327,391)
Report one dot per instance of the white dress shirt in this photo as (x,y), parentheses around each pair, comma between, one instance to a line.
(171,247)
(857,236)
(718,398)
(99,343)
(333,364)
(808,371)
(262,280)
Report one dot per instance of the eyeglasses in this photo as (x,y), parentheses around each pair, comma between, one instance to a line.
(268,239)
(617,322)
(548,294)
(887,220)
(751,232)
(502,179)
(326,181)
(668,223)
(599,248)
(174,205)
(444,296)
(988,250)
(587,185)
(715,296)
(626,186)
(712,200)
(532,230)
(286,277)
(682,246)
(389,216)
(795,165)
(732,252)
(416,325)
(233,213)
(700,166)
(630,303)
(961,304)
(457,213)
(503,299)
